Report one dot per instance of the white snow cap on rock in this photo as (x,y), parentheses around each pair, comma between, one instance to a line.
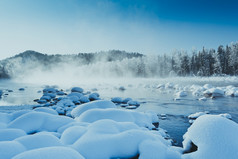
(101,104)
(77,89)
(139,118)
(38,121)
(50,153)
(181,94)
(106,139)
(215,136)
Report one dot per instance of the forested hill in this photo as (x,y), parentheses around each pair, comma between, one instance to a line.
(206,62)
(32,60)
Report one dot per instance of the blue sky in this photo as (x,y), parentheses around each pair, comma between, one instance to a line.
(145,26)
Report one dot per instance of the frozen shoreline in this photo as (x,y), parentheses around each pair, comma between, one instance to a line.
(113,117)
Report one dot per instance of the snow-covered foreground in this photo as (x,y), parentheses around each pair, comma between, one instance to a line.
(81,125)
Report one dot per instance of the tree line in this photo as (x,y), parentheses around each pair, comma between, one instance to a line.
(206,62)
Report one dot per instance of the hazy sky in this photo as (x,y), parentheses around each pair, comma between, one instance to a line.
(145,26)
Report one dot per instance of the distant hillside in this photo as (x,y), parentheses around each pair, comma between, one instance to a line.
(115,63)
(29,60)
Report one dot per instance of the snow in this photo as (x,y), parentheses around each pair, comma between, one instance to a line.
(39,140)
(38,121)
(102,104)
(141,119)
(46,110)
(50,90)
(214,92)
(84,99)
(4,118)
(133,102)
(225,115)
(100,129)
(116,100)
(156,150)
(181,94)
(215,137)
(9,149)
(196,115)
(77,89)
(50,153)
(94,96)
(126,100)
(11,134)
(71,134)
(110,139)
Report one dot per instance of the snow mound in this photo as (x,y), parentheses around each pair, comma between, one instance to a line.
(11,134)
(181,94)
(226,115)
(71,134)
(196,115)
(50,153)
(77,89)
(110,139)
(215,137)
(8,149)
(46,110)
(156,150)
(39,140)
(38,121)
(117,100)
(214,92)
(5,118)
(141,119)
(102,104)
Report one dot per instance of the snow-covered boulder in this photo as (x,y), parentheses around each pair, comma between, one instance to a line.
(101,104)
(60,93)
(215,137)
(110,139)
(149,149)
(207,86)
(71,134)
(38,121)
(39,140)
(75,94)
(77,89)
(214,92)
(226,115)
(44,97)
(181,94)
(116,100)
(50,90)
(126,100)
(46,110)
(122,88)
(11,134)
(93,96)
(133,103)
(119,115)
(169,85)
(5,118)
(84,99)
(52,95)
(197,114)
(9,149)
(160,86)
(50,153)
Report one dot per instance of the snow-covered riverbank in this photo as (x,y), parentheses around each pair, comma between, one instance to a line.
(81,125)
